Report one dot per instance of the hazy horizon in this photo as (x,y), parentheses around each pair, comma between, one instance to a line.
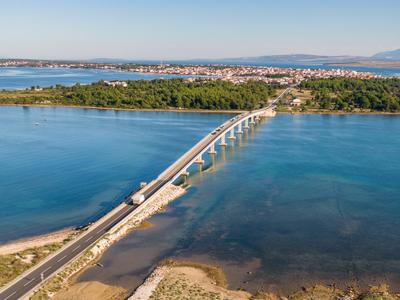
(182,30)
(183,59)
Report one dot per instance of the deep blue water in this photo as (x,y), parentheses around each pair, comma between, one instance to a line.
(64,167)
(25,77)
(301,200)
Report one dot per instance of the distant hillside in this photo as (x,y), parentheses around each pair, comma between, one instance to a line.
(389,59)
(388,55)
(297,59)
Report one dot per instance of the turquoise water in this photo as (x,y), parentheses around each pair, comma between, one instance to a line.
(301,200)
(25,77)
(64,167)
(298,200)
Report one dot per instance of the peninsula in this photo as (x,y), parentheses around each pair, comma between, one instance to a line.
(326,95)
(234,73)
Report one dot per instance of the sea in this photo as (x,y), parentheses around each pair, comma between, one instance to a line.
(18,78)
(297,200)
(66,167)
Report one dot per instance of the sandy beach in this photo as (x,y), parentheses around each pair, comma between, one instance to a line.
(36,241)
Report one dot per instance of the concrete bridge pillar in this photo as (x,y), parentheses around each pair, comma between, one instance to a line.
(185,176)
(212,149)
(252,121)
(246,124)
(199,160)
(232,134)
(222,142)
(239,131)
(185,173)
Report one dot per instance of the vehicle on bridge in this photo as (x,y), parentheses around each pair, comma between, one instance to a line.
(138,199)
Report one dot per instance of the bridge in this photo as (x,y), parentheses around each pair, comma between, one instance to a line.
(24,284)
(195,155)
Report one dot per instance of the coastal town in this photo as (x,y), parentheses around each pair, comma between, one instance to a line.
(231,73)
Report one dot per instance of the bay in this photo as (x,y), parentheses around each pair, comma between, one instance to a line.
(18,78)
(64,167)
(297,201)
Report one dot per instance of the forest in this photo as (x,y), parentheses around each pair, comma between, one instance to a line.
(154,94)
(347,94)
(332,94)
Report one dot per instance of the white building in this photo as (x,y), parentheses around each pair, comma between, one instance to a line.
(295,102)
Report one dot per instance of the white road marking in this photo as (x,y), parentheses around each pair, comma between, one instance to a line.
(9,296)
(88,238)
(47,269)
(99,231)
(61,258)
(76,248)
(29,282)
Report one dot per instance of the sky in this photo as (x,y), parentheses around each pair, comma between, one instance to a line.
(190,29)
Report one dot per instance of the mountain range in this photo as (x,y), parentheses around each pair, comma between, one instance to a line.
(381,58)
(388,55)
(309,59)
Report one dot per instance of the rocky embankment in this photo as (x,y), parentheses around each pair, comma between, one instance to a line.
(65,277)
(185,280)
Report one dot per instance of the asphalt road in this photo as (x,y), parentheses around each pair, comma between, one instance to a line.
(33,277)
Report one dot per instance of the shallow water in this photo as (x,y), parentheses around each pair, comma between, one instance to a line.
(301,200)
(63,167)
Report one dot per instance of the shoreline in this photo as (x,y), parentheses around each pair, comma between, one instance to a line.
(66,277)
(191,279)
(175,277)
(205,111)
(128,109)
(341,113)
(22,244)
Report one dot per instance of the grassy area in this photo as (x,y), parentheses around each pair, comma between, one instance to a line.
(380,292)
(214,273)
(187,280)
(12,265)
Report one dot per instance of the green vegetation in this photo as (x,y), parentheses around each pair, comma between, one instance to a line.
(350,94)
(318,95)
(12,265)
(155,94)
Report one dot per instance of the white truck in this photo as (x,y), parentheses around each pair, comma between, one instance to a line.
(138,198)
